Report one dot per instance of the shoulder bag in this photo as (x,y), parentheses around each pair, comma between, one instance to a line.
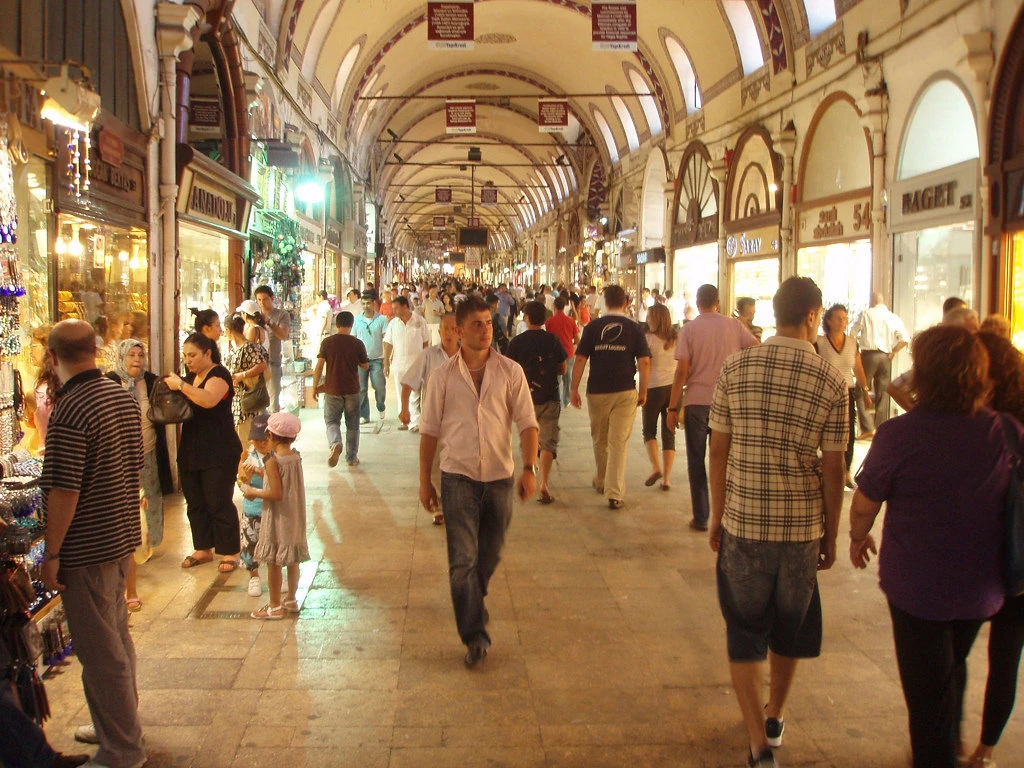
(256,397)
(167,406)
(1014,513)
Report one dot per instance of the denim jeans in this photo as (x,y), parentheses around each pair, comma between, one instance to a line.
(566,384)
(375,375)
(274,387)
(476,516)
(334,407)
(695,421)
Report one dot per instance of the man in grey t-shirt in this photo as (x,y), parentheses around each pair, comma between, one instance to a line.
(279,323)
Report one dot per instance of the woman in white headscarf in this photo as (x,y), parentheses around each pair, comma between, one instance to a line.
(130,371)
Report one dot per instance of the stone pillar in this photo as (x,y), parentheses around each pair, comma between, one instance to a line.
(785,145)
(981,60)
(720,172)
(875,113)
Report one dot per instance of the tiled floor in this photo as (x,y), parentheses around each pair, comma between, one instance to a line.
(608,642)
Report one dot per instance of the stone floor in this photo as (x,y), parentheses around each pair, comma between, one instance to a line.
(608,643)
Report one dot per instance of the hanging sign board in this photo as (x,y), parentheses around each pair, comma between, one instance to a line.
(489,196)
(552,115)
(472,221)
(442,195)
(450,25)
(473,260)
(460,116)
(439,223)
(613,25)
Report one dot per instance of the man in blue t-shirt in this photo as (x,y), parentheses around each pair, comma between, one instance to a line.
(617,349)
(543,359)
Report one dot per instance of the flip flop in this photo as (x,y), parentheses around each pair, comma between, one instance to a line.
(655,477)
(192,562)
(227,566)
(134,605)
(545,497)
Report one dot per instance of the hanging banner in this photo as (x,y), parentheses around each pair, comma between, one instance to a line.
(472,221)
(473,259)
(613,25)
(450,25)
(439,223)
(552,115)
(488,196)
(442,195)
(460,116)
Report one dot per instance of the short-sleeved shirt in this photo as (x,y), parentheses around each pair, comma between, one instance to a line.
(276,318)
(541,355)
(342,354)
(370,331)
(407,339)
(564,327)
(705,342)
(208,439)
(613,343)
(94,448)
(780,402)
(423,365)
(943,477)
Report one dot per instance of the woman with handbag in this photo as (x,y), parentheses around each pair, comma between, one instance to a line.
(130,372)
(208,455)
(247,363)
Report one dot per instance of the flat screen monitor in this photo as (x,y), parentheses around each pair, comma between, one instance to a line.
(473,237)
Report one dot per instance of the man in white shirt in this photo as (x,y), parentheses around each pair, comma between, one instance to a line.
(432,310)
(881,334)
(407,335)
(593,302)
(415,379)
(477,386)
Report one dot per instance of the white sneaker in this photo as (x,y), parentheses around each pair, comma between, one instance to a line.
(86,734)
(381,414)
(255,588)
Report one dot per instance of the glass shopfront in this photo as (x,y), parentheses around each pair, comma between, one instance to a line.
(691,268)
(841,270)
(758,279)
(204,273)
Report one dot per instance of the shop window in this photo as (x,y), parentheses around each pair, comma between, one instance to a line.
(842,271)
(31,193)
(204,273)
(932,265)
(745,33)
(941,131)
(759,279)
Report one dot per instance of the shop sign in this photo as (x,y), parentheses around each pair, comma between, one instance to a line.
(310,232)
(472,221)
(460,116)
(552,115)
(334,235)
(110,147)
(439,223)
(450,25)
(651,256)
(204,115)
(848,219)
(117,192)
(489,196)
(473,260)
(943,196)
(124,180)
(443,195)
(758,242)
(613,25)
(695,229)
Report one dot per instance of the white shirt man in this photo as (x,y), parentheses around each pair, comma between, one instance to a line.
(407,335)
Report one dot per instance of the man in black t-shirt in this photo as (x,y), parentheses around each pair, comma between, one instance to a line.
(617,350)
(543,359)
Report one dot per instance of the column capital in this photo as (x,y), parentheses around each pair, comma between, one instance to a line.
(174,24)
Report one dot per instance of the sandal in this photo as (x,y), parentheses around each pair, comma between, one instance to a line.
(134,605)
(290,606)
(666,487)
(655,477)
(439,518)
(268,612)
(545,497)
(192,561)
(227,566)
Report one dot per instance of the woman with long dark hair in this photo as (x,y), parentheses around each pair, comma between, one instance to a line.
(661,338)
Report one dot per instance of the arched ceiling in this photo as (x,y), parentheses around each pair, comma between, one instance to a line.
(369,59)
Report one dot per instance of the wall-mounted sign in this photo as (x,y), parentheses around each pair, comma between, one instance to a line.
(333,236)
(613,25)
(450,25)
(204,115)
(552,115)
(110,147)
(310,232)
(439,222)
(460,116)
(835,221)
(211,204)
(210,195)
(488,195)
(651,256)
(944,196)
(442,195)
(758,242)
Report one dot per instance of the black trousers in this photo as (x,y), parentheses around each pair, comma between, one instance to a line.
(1005,642)
(932,659)
(211,510)
(878,370)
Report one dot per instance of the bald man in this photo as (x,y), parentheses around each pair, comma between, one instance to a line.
(90,484)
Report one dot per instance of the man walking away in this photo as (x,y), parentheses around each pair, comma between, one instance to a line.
(881,335)
(90,485)
(344,356)
(703,345)
(369,327)
(775,505)
(543,359)
(471,403)
(617,350)
(565,328)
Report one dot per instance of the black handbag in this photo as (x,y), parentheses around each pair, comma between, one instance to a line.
(167,406)
(256,398)
(1014,562)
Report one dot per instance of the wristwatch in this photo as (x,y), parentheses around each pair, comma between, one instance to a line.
(530,468)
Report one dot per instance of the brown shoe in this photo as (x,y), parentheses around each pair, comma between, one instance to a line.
(332,460)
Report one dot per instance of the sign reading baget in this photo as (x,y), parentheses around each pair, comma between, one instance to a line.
(840,220)
(613,25)
(450,25)
(948,195)
(460,116)
(552,115)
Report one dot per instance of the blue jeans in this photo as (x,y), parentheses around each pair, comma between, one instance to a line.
(566,385)
(22,742)
(476,516)
(375,375)
(695,421)
(334,407)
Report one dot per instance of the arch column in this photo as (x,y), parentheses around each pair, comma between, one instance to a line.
(720,172)
(785,145)
(981,60)
(875,111)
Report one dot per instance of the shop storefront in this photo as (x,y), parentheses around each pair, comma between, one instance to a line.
(753,242)
(933,207)
(332,259)
(100,244)
(213,213)
(833,218)
(695,258)
(650,268)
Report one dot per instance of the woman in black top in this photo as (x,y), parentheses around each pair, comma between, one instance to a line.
(208,455)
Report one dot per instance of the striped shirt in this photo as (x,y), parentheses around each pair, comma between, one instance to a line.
(780,402)
(94,448)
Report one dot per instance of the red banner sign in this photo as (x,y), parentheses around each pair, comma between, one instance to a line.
(489,196)
(460,116)
(552,115)
(450,25)
(111,148)
(439,222)
(613,25)
(442,195)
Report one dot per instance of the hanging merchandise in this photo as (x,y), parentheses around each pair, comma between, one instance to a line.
(10,280)
(283,268)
